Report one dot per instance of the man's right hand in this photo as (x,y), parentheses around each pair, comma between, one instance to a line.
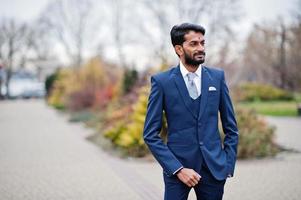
(189,177)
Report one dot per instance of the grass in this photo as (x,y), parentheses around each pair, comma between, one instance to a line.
(273,108)
(81,116)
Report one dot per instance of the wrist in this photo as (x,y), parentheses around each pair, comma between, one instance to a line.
(178,171)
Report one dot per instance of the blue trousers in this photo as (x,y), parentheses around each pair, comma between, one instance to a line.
(207,189)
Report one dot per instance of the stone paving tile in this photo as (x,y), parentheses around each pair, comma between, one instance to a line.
(43,157)
(288,131)
(268,179)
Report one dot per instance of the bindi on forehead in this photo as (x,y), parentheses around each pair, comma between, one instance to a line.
(192,35)
(196,39)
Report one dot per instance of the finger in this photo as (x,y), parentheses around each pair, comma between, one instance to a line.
(196,177)
(187,182)
(190,183)
(193,181)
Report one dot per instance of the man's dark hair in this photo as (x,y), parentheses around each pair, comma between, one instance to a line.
(178,32)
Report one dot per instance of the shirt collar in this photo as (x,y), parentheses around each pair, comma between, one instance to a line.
(184,71)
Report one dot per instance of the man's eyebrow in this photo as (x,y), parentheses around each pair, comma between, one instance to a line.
(203,40)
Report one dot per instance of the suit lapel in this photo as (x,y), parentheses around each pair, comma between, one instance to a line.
(182,89)
(206,78)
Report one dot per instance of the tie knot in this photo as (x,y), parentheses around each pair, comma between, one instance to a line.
(191,76)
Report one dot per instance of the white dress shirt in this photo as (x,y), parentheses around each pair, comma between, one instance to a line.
(197,80)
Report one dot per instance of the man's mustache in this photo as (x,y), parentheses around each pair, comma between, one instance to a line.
(200,53)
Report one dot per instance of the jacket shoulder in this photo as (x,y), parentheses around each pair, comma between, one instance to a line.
(215,71)
(164,76)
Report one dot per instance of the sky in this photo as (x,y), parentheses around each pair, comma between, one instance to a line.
(255,11)
(266,10)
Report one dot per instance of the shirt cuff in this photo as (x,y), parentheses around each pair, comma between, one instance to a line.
(177,170)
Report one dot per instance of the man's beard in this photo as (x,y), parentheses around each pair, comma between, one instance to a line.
(194,62)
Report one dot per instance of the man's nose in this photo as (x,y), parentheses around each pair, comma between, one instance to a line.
(200,47)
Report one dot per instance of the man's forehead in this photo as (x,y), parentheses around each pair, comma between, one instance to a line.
(192,35)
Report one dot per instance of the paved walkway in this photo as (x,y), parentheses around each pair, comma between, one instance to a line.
(44,157)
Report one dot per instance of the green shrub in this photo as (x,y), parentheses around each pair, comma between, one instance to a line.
(80,100)
(129,80)
(93,84)
(261,92)
(127,132)
(50,81)
(81,116)
(256,137)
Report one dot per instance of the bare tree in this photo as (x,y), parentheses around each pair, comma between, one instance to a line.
(118,27)
(260,54)
(272,55)
(192,11)
(40,42)
(281,65)
(161,15)
(222,18)
(69,22)
(155,26)
(294,49)
(12,44)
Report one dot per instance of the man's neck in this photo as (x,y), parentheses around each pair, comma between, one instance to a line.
(190,68)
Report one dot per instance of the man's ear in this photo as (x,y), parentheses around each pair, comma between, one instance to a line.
(179,50)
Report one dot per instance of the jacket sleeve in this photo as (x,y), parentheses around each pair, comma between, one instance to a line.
(229,125)
(152,128)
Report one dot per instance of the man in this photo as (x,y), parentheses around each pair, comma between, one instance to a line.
(191,96)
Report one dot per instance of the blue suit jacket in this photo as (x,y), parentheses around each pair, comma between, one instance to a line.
(191,137)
